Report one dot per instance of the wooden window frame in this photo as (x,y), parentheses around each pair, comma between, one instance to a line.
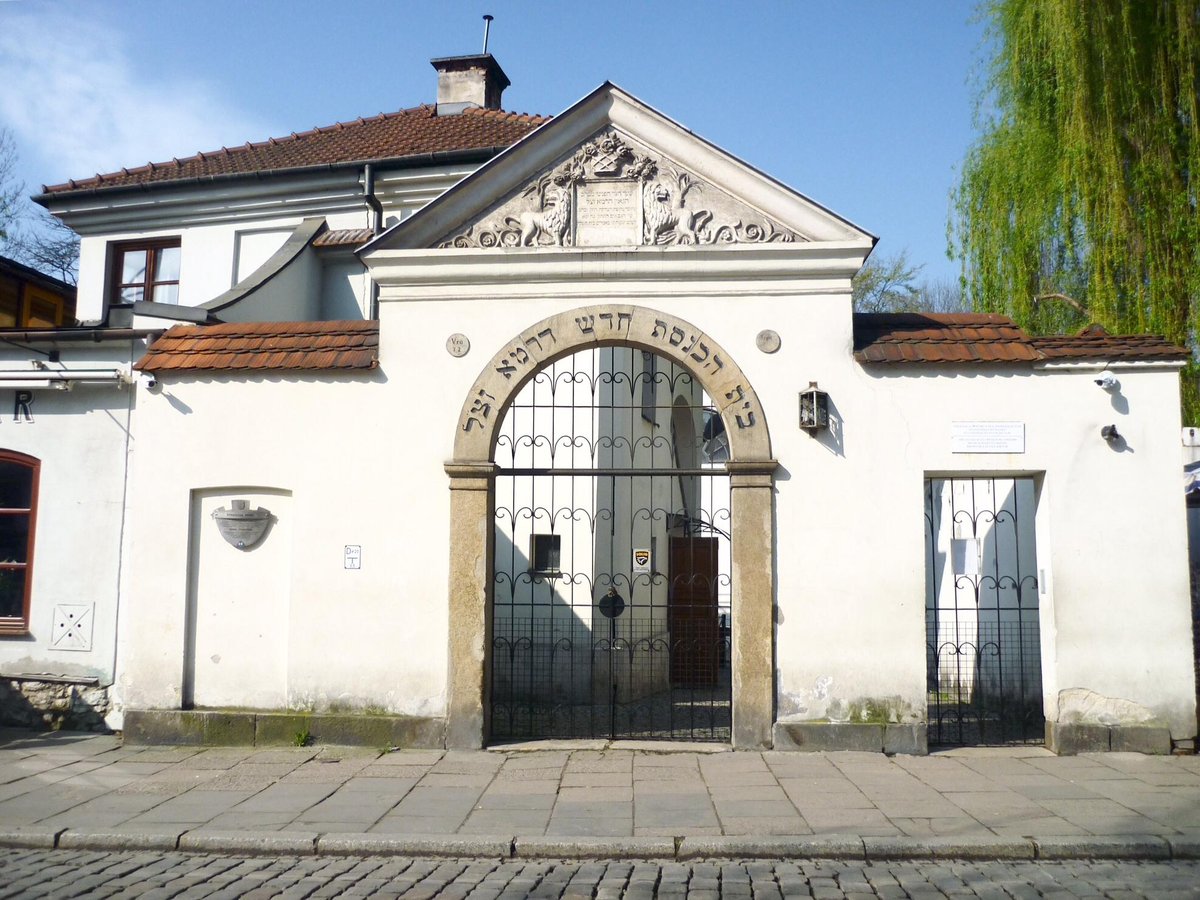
(115,284)
(19,625)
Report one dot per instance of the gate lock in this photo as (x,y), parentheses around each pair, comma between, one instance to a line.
(612,604)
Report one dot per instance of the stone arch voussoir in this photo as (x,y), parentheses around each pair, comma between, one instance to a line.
(606,326)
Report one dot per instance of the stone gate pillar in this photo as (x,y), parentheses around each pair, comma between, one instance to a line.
(751,489)
(471,539)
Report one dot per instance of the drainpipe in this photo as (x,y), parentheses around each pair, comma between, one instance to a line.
(376,226)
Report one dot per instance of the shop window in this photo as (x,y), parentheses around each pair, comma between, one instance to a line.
(18,515)
(148,270)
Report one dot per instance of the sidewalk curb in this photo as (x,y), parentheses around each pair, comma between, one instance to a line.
(981,848)
(832,846)
(254,843)
(971,847)
(545,847)
(112,839)
(1130,846)
(351,844)
(32,837)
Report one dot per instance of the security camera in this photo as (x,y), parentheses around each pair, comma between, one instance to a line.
(147,380)
(1109,433)
(1108,381)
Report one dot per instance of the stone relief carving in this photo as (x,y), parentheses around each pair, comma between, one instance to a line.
(611,193)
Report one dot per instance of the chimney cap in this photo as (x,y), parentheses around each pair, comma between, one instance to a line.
(468,81)
(474,61)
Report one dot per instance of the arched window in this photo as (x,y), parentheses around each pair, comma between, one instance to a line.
(18,516)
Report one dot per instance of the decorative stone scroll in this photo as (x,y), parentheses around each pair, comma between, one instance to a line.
(614,192)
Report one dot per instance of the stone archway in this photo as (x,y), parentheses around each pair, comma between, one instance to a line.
(751,469)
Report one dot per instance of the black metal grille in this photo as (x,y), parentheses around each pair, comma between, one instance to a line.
(983,646)
(611,497)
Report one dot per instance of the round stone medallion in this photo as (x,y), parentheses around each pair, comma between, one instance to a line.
(768,341)
(458,345)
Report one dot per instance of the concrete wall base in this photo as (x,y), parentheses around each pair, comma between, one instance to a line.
(863,736)
(1071,738)
(53,704)
(217,728)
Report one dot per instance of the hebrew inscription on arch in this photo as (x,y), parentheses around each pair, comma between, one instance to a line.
(672,338)
(612,192)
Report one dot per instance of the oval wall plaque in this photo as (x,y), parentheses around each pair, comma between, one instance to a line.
(240,525)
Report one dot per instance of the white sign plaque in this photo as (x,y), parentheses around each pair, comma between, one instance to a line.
(642,560)
(987,437)
(353,556)
(608,213)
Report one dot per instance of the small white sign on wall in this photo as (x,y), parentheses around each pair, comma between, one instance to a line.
(987,437)
(642,562)
(72,626)
(352,557)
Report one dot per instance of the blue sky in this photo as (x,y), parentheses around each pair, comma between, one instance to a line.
(863,105)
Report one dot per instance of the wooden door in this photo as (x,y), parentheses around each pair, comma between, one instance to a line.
(692,611)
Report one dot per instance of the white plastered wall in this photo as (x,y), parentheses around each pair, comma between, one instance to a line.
(849,506)
(342,447)
(81,438)
(363,460)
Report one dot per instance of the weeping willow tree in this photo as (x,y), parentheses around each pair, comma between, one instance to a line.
(1078,203)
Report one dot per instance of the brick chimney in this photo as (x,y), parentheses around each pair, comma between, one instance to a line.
(468,81)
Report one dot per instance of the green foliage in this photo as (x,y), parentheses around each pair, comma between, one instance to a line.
(889,284)
(1081,182)
(302,738)
(886,284)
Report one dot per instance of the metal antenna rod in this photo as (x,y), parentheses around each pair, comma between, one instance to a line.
(487,26)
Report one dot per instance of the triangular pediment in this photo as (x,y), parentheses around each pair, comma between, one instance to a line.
(612,173)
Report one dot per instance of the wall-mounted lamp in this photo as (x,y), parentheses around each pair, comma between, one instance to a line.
(814,409)
(1109,433)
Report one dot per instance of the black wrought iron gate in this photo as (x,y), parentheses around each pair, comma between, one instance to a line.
(611,608)
(983,645)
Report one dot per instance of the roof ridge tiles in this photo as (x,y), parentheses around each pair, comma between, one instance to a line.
(382,136)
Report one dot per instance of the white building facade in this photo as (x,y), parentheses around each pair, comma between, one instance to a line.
(573,377)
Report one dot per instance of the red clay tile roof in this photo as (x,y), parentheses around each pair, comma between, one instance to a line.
(1108,346)
(940,337)
(242,346)
(345,237)
(407,133)
(988,338)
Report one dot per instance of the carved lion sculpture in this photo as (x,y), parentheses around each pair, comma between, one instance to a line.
(551,220)
(667,219)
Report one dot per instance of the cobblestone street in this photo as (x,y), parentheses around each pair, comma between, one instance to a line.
(157,876)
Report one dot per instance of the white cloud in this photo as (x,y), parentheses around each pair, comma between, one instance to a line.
(72,97)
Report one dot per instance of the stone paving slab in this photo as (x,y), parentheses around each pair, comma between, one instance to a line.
(83,791)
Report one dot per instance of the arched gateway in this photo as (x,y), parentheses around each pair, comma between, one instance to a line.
(473,478)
